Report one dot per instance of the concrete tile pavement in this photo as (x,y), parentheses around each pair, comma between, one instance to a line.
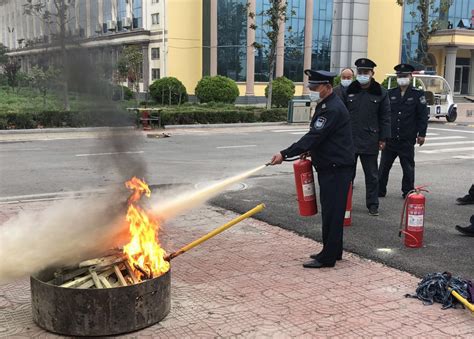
(248,282)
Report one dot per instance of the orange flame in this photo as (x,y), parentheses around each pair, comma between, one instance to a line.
(144,253)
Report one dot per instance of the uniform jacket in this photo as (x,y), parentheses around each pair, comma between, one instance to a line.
(340,91)
(370,116)
(329,138)
(409,114)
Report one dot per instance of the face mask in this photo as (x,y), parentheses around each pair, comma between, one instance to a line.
(403,81)
(314,96)
(363,79)
(346,82)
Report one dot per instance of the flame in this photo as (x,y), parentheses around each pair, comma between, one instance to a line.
(144,253)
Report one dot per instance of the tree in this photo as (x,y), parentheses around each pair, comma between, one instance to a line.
(130,62)
(275,14)
(58,17)
(427,25)
(11,69)
(43,80)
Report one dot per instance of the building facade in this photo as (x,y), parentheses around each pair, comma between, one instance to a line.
(189,39)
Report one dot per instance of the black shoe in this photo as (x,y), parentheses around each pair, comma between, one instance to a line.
(373,211)
(465,200)
(382,195)
(317,256)
(468,230)
(317,264)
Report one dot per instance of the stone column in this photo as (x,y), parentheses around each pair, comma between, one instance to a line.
(146,67)
(450,68)
(308,41)
(100,13)
(90,27)
(249,89)
(280,52)
(213,68)
(471,74)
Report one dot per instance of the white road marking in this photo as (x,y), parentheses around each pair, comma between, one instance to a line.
(21,150)
(451,130)
(45,196)
(429,134)
(427,144)
(464,157)
(447,150)
(446,138)
(110,153)
(288,130)
(238,146)
(299,133)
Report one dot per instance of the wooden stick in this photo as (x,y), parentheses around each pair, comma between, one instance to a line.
(131,273)
(120,277)
(76,282)
(87,284)
(104,281)
(95,277)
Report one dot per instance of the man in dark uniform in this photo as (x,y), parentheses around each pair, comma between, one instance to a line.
(409,119)
(369,108)
(329,142)
(347,75)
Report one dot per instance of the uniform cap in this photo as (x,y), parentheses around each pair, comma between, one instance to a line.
(404,69)
(319,77)
(364,63)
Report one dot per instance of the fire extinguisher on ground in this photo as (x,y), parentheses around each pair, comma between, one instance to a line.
(412,225)
(305,190)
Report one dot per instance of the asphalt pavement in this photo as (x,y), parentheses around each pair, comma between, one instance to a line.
(43,166)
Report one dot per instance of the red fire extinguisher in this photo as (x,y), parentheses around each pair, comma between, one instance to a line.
(414,208)
(305,190)
(348,214)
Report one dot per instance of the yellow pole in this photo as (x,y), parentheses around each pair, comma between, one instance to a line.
(231,223)
(463,301)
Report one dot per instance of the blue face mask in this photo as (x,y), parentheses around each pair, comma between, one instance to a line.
(363,79)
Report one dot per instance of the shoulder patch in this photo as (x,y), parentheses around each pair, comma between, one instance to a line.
(320,122)
(393,98)
(423,99)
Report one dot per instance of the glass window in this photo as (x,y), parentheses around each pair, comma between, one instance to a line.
(137,14)
(155,53)
(82,18)
(294,40)
(322,32)
(155,73)
(232,39)
(96,28)
(155,18)
(107,10)
(261,57)
(155,1)
(121,13)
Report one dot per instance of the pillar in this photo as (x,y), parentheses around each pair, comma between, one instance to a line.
(213,56)
(280,52)
(146,67)
(249,89)
(471,74)
(308,38)
(450,68)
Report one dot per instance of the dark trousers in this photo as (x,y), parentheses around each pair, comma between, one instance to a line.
(405,151)
(369,164)
(334,187)
(471,191)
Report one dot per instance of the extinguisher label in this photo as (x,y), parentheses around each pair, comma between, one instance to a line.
(307,183)
(347,215)
(415,217)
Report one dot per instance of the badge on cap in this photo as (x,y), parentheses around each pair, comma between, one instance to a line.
(423,99)
(320,122)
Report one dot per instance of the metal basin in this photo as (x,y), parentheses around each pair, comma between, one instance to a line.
(99,312)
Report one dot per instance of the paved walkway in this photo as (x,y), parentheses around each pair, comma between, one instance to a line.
(248,282)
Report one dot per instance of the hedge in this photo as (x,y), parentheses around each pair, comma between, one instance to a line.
(168,117)
(217,89)
(168,91)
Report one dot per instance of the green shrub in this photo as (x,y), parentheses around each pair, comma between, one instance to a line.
(217,89)
(282,92)
(117,94)
(21,120)
(168,91)
(274,115)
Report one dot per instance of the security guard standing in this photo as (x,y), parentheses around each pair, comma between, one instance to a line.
(409,123)
(329,141)
(369,108)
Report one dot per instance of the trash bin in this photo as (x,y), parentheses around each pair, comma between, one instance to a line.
(299,110)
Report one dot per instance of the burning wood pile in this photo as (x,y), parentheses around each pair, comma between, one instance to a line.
(141,259)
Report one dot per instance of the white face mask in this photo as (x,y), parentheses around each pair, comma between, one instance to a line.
(363,79)
(346,82)
(314,96)
(403,82)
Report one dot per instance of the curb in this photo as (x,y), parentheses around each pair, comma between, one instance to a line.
(65,130)
(244,124)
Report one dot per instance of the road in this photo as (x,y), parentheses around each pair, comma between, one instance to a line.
(42,166)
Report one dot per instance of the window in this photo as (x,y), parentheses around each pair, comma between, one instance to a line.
(155,73)
(155,53)
(155,18)
(155,1)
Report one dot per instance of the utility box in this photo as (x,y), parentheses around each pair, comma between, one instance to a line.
(299,110)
